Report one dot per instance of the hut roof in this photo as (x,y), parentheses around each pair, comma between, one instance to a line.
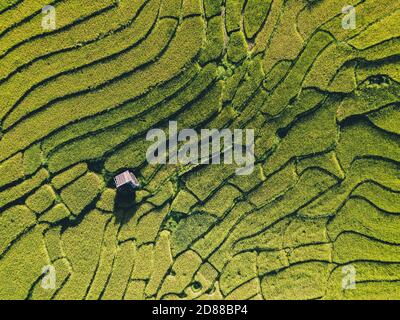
(126,177)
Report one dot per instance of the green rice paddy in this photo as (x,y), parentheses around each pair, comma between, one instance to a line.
(77,102)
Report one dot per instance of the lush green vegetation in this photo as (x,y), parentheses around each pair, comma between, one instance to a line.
(77,102)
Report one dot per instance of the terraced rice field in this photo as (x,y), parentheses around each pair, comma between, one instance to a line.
(76,104)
